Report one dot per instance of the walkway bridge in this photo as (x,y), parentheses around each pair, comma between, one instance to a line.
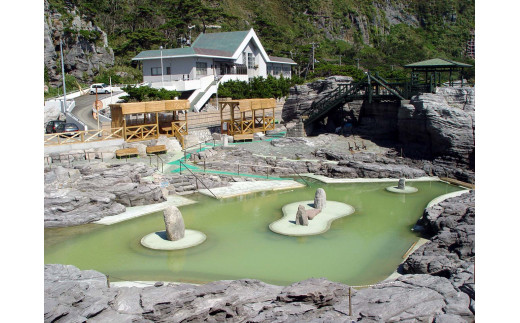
(371,88)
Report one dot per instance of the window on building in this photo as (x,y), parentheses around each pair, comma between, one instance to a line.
(168,70)
(250,61)
(156,71)
(202,68)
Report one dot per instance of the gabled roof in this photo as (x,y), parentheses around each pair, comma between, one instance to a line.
(225,43)
(437,62)
(286,60)
(218,45)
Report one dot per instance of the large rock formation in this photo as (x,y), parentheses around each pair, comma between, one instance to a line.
(301,96)
(451,251)
(452,225)
(429,126)
(89,192)
(320,199)
(85,46)
(301,216)
(440,125)
(174,223)
(76,296)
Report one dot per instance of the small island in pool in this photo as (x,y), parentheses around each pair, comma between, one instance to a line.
(306,218)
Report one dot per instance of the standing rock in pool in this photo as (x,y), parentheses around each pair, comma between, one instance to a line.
(174,223)
(401,184)
(301,216)
(320,199)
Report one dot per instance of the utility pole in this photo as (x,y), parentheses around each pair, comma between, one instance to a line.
(313,55)
(162,69)
(339,59)
(63,76)
(357,59)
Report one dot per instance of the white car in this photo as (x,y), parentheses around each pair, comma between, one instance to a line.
(100,87)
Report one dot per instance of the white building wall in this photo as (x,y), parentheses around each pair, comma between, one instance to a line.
(181,68)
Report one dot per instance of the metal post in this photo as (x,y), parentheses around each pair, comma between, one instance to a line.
(350,301)
(204,166)
(238,169)
(63,77)
(110,78)
(97,111)
(108,281)
(162,69)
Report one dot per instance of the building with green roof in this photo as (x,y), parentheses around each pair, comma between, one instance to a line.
(211,58)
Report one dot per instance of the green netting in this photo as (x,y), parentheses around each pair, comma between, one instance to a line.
(197,169)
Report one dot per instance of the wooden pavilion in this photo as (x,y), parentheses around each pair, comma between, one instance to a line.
(146,120)
(433,70)
(247,117)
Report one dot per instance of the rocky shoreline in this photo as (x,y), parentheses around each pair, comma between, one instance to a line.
(425,293)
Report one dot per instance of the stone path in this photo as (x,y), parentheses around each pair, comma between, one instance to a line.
(329,180)
(243,188)
(137,211)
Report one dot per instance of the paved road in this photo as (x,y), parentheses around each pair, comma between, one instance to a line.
(83,109)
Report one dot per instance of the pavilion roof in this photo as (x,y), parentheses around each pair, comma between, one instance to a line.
(437,63)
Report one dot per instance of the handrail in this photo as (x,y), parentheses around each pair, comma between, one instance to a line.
(82,136)
(196,178)
(158,158)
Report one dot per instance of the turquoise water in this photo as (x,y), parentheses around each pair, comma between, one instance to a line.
(362,248)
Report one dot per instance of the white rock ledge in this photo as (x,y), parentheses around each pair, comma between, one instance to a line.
(158,241)
(320,224)
(405,190)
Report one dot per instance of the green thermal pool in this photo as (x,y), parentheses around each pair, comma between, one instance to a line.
(363,248)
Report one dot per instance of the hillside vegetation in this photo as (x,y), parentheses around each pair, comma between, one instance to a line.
(377,35)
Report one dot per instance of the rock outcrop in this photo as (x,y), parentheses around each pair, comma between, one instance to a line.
(301,96)
(451,224)
(87,193)
(174,223)
(320,199)
(301,216)
(85,46)
(74,295)
(440,125)
(451,251)
(430,126)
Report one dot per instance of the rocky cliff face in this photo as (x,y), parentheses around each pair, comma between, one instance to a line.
(440,125)
(431,126)
(85,46)
(91,192)
(301,96)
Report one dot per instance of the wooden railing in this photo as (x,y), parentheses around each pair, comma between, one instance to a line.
(180,127)
(142,132)
(82,136)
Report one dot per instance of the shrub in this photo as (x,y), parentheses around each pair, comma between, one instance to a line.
(145,93)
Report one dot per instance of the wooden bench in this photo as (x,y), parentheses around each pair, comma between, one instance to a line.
(244,136)
(127,152)
(156,149)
